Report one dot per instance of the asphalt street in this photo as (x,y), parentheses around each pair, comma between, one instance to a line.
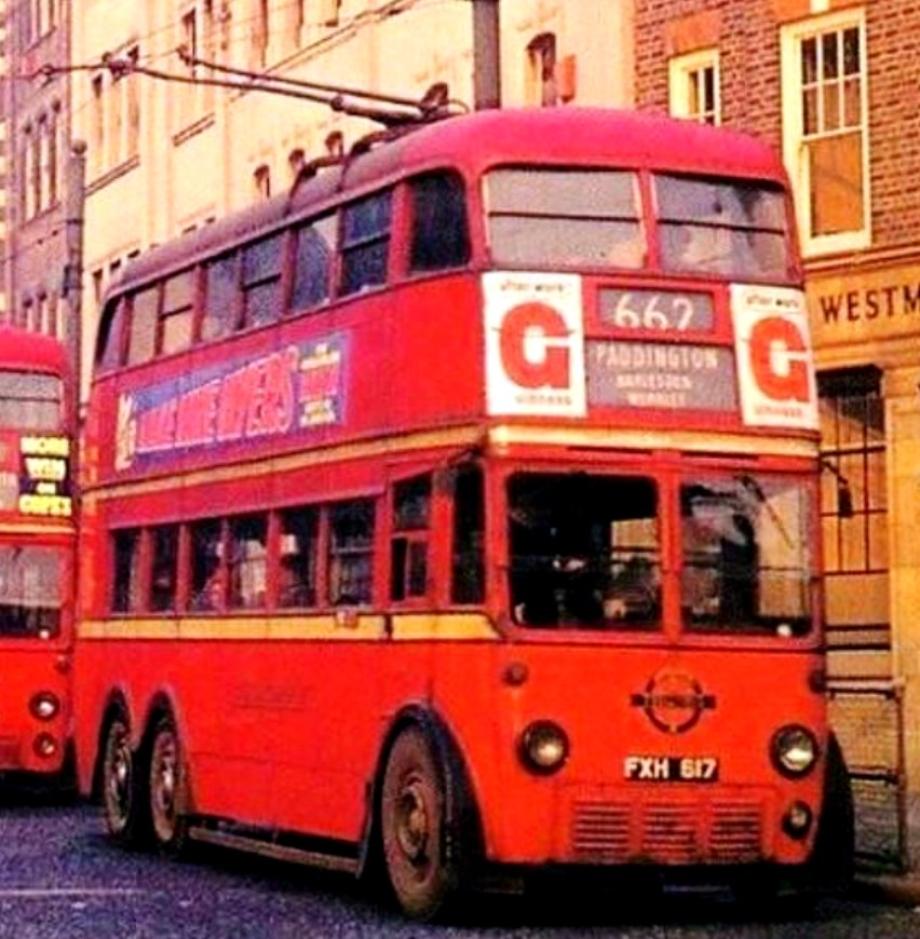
(60,877)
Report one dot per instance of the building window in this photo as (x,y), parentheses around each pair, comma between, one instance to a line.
(260,34)
(97,119)
(825,129)
(329,12)
(296,160)
(53,155)
(694,86)
(541,71)
(262,180)
(854,509)
(131,90)
(27,206)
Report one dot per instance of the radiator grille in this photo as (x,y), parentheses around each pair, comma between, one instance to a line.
(600,831)
(670,833)
(722,831)
(736,831)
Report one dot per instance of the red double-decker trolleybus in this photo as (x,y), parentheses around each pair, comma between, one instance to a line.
(37,543)
(458,512)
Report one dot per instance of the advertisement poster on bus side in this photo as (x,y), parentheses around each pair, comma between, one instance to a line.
(534,337)
(776,374)
(297,388)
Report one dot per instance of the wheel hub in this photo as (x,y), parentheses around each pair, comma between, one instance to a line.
(413,829)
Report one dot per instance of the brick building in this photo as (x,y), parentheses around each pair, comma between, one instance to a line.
(37,116)
(835,86)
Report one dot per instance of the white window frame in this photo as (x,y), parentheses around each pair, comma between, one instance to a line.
(680,68)
(794,151)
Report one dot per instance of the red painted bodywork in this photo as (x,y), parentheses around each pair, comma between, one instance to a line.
(31,665)
(288,734)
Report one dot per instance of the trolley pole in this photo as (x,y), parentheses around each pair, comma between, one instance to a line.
(487,81)
(75,201)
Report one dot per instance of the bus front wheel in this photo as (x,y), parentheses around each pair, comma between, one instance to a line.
(418,846)
(167,788)
(122,786)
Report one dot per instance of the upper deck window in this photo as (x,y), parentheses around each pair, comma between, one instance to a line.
(108,350)
(262,281)
(177,314)
(565,218)
(730,228)
(365,242)
(220,308)
(313,262)
(143,330)
(30,401)
(440,234)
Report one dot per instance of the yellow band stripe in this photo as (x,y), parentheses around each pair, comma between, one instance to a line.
(338,627)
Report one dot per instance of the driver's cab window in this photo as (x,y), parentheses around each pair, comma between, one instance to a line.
(584,551)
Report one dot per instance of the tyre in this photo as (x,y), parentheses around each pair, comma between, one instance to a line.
(831,863)
(167,789)
(421,842)
(123,786)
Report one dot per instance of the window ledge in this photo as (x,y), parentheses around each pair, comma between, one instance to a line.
(109,176)
(824,245)
(193,129)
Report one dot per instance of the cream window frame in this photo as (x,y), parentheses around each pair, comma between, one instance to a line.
(680,69)
(795,154)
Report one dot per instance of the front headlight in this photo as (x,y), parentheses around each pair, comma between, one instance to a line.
(44,705)
(544,747)
(794,750)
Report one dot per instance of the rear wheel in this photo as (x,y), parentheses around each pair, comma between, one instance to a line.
(123,801)
(419,847)
(167,789)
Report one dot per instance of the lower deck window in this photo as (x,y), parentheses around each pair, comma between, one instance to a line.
(351,541)
(126,593)
(298,556)
(207,580)
(247,561)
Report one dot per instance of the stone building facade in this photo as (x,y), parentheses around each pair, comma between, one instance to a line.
(166,157)
(834,86)
(35,145)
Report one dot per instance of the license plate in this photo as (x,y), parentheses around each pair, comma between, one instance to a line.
(671,768)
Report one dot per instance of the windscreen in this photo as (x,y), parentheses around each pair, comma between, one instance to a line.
(565,218)
(30,401)
(748,563)
(733,228)
(30,591)
(584,551)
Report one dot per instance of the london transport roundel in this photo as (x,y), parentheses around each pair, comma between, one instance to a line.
(776,375)
(535,360)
